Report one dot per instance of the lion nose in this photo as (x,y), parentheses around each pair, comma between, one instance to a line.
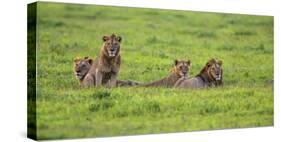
(111,49)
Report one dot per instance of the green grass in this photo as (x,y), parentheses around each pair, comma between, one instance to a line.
(152,39)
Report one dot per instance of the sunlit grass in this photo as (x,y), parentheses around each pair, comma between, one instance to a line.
(152,39)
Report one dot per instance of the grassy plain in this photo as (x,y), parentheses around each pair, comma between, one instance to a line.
(152,39)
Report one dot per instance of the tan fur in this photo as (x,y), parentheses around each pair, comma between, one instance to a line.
(211,74)
(180,69)
(105,68)
(82,66)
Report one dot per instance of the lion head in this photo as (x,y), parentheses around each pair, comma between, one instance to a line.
(111,45)
(181,68)
(82,66)
(214,69)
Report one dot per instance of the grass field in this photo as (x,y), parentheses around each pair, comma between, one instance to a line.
(152,39)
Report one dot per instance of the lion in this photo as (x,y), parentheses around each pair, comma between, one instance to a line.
(83,65)
(81,68)
(180,70)
(105,68)
(211,74)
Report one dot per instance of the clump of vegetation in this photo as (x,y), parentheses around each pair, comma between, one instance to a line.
(101,95)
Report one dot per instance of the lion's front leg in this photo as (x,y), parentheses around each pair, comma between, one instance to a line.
(179,81)
(113,80)
(98,76)
(88,81)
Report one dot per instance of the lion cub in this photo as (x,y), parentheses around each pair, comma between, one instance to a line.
(180,69)
(81,68)
(211,74)
(105,68)
(83,65)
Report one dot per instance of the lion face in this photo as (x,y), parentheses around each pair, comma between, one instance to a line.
(215,69)
(182,67)
(82,66)
(112,45)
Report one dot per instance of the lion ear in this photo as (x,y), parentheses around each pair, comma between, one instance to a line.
(76,59)
(210,62)
(220,62)
(176,61)
(188,62)
(119,38)
(105,38)
(213,60)
(90,61)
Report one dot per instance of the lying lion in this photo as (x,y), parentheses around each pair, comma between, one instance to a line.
(81,68)
(180,69)
(83,65)
(211,74)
